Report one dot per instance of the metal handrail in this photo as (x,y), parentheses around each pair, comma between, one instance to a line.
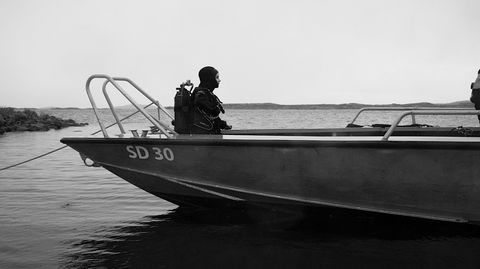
(429,112)
(112,108)
(403,109)
(164,128)
(159,106)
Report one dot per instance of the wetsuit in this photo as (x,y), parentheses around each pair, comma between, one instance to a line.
(206,105)
(206,111)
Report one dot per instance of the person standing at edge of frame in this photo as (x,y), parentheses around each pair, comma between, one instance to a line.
(475,97)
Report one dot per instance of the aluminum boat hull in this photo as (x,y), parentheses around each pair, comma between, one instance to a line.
(425,177)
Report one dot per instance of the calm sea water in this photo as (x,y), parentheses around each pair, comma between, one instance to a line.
(57,213)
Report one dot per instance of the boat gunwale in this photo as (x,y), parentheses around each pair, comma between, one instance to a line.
(218,140)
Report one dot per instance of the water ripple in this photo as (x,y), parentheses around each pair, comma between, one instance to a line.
(55,212)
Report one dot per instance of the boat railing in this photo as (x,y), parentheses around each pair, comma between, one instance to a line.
(403,109)
(459,111)
(158,123)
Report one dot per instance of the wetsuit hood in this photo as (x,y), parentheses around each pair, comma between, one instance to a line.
(207,78)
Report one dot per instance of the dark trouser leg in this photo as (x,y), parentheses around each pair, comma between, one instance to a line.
(477,107)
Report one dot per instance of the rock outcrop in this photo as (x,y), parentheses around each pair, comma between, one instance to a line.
(14,120)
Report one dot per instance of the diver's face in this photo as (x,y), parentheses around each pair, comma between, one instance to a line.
(217,78)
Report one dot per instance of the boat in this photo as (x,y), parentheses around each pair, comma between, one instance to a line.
(415,170)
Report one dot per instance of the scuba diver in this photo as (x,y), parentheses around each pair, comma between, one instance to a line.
(475,97)
(206,105)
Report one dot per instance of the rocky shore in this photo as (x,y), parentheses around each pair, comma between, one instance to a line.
(16,120)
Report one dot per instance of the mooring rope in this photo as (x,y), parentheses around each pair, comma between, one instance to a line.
(34,158)
(62,147)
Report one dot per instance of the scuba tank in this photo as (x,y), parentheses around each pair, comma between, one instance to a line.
(182,108)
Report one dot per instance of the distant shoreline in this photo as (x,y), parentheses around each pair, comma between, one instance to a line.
(272,106)
(459,104)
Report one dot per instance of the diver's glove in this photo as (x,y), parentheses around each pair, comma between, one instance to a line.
(224,125)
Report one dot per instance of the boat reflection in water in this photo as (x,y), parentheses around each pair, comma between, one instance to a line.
(233,239)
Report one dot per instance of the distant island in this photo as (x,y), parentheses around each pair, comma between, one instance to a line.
(14,120)
(459,104)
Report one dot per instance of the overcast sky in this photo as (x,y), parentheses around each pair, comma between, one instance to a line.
(286,52)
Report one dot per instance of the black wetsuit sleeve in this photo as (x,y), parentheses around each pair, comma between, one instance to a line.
(206,103)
